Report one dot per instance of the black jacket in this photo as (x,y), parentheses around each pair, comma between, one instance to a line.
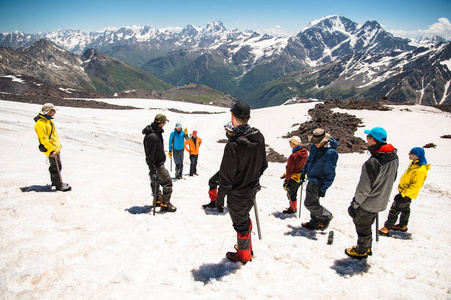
(243,162)
(153,146)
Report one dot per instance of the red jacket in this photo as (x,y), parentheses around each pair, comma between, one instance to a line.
(295,164)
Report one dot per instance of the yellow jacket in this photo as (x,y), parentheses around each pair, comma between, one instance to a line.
(191,148)
(43,128)
(413,179)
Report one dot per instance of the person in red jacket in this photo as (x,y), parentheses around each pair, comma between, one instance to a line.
(292,176)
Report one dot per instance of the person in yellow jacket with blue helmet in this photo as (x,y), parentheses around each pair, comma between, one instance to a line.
(50,145)
(409,186)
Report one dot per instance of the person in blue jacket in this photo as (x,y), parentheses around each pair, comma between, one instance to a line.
(177,146)
(320,172)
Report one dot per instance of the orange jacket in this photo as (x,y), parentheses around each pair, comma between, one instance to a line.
(191,148)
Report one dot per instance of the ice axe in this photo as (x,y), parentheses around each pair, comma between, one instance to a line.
(300,200)
(257,219)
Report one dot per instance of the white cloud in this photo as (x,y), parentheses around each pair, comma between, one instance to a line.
(274,31)
(441,28)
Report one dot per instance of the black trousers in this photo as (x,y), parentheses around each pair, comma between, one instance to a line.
(239,208)
(193,166)
(363,220)
(213,182)
(293,187)
(55,176)
(397,208)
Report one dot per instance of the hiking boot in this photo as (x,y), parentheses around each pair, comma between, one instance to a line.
(323,224)
(398,227)
(384,231)
(351,252)
(289,210)
(64,187)
(168,207)
(233,257)
(236,248)
(310,225)
(212,204)
(158,200)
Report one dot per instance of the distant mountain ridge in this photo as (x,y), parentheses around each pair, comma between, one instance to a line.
(258,68)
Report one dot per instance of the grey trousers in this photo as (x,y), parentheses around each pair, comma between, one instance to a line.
(317,211)
(178,160)
(165,181)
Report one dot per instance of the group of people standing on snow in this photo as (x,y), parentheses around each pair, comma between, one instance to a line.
(244,161)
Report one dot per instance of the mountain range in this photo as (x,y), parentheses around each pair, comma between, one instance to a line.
(333,57)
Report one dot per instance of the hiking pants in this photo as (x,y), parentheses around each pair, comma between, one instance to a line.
(317,212)
(178,160)
(398,207)
(53,170)
(363,220)
(193,166)
(164,179)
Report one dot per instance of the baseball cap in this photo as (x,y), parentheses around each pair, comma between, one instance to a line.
(378,133)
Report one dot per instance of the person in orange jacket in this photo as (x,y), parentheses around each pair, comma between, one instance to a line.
(192,146)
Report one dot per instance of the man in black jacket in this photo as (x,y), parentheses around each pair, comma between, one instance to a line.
(243,162)
(155,158)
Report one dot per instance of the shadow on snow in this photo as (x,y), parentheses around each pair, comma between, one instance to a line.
(350,267)
(282,216)
(38,188)
(208,272)
(304,232)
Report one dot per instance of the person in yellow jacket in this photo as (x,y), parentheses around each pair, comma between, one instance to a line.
(192,146)
(409,186)
(50,145)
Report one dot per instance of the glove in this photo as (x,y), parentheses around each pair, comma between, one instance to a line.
(351,211)
(352,208)
(322,194)
(185,131)
(283,176)
(302,178)
(154,177)
(170,154)
(285,186)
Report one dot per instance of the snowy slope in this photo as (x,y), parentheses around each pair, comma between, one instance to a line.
(100,241)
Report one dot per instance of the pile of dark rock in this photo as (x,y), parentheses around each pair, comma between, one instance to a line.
(341,126)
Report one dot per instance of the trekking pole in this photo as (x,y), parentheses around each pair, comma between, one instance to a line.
(257,219)
(300,201)
(377,226)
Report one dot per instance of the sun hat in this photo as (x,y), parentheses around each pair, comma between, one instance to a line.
(378,133)
(319,135)
(47,107)
(241,110)
(160,118)
(295,140)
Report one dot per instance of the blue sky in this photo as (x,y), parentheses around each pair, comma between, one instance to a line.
(287,17)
